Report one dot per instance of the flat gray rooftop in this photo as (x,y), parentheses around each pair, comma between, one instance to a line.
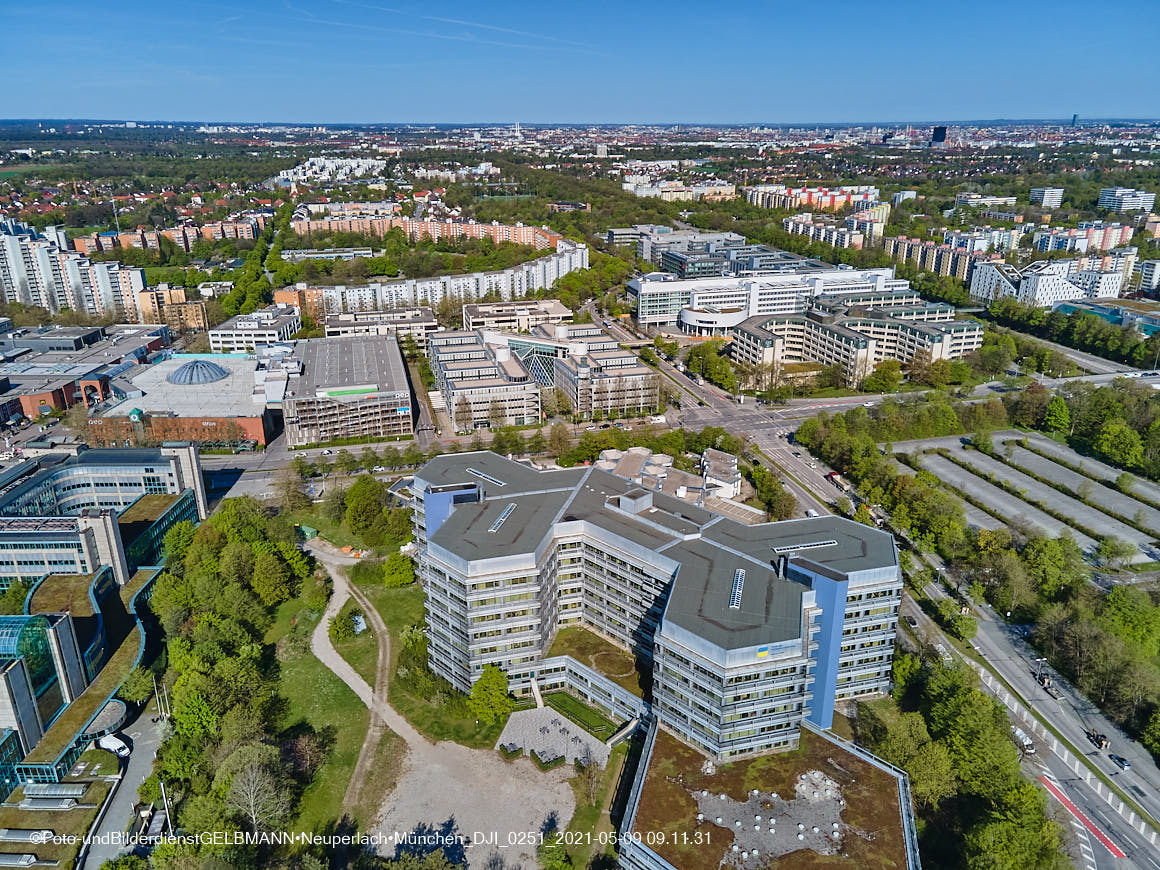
(526,519)
(709,547)
(330,364)
(770,608)
(507,477)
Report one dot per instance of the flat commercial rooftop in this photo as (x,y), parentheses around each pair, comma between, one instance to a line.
(770,609)
(332,365)
(508,476)
(711,549)
(233,396)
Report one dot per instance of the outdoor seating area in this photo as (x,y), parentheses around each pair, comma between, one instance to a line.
(549,735)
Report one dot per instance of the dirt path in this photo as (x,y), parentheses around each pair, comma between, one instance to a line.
(444,790)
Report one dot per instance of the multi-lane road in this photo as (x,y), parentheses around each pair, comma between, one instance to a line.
(1100,837)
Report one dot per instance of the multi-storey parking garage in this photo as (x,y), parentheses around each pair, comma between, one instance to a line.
(746,630)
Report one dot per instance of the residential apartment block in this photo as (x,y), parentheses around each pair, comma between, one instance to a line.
(823,198)
(742,632)
(38,268)
(515,316)
(1048,197)
(1124,199)
(671,190)
(986,238)
(856,338)
(514,283)
(819,230)
(1149,274)
(245,332)
(538,237)
(1086,236)
(944,259)
(170,305)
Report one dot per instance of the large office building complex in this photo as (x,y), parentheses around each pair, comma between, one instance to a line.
(38,268)
(489,379)
(353,387)
(716,305)
(742,632)
(980,200)
(271,325)
(77,514)
(418,323)
(515,316)
(1043,283)
(481,383)
(49,369)
(856,338)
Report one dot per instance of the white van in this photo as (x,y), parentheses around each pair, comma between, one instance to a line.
(115,745)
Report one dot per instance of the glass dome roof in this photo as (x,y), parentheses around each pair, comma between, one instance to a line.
(197,371)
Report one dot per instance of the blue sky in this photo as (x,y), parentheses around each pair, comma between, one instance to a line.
(596,61)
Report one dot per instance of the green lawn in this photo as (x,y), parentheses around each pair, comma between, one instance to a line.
(588,718)
(593,817)
(601,655)
(361,651)
(317,697)
(337,533)
(443,717)
(25,170)
(72,823)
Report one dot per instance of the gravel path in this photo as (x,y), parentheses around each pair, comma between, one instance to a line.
(447,795)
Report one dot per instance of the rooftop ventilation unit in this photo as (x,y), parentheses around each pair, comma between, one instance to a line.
(738,587)
(507,512)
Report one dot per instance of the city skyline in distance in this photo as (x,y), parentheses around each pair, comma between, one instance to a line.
(345,62)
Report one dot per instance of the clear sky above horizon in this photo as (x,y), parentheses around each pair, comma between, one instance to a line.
(333,61)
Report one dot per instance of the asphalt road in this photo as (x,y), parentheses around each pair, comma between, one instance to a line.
(145,736)
(1095,809)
